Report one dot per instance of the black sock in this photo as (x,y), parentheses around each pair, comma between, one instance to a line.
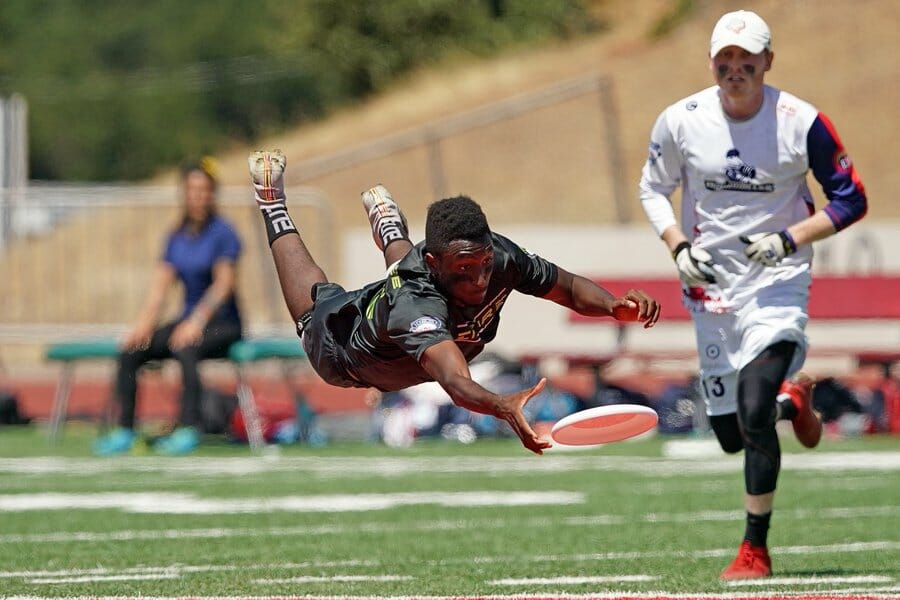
(784,408)
(757,530)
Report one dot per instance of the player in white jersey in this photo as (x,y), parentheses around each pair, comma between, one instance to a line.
(740,151)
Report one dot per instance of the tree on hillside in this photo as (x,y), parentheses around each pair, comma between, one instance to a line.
(119,91)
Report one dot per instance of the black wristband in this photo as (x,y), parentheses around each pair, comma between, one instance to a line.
(278,221)
(788,242)
(680,247)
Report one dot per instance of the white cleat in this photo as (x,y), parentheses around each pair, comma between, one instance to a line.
(387,220)
(267,174)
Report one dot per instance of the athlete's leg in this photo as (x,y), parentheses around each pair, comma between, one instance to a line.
(728,432)
(297,271)
(758,385)
(389,227)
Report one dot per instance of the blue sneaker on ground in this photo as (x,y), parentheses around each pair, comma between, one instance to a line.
(183,440)
(117,441)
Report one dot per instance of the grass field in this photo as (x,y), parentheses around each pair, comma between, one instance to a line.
(625,520)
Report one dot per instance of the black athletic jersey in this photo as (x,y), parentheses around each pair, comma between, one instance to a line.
(403,315)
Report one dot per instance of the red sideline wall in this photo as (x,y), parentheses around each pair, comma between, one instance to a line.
(158,395)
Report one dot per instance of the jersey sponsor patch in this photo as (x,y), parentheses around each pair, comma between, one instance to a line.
(423,324)
(842,162)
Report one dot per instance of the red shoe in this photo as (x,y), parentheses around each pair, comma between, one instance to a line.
(807,425)
(752,562)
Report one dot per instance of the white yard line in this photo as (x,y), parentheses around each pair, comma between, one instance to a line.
(187,503)
(430,525)
(850,512)
(334,467)
(181,568)
(101,578)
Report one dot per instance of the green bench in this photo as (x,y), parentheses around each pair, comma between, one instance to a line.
(241,354)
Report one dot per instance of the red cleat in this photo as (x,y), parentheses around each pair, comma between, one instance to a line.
(752,562)
(807,425)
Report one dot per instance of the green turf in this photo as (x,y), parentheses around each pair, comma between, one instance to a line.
(642,515)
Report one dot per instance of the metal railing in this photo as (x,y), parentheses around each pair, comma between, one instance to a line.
(78,259)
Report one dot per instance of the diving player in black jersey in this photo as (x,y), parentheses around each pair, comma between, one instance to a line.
(436,309)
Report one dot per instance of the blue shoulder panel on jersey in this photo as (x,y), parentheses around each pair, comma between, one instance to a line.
(833,169)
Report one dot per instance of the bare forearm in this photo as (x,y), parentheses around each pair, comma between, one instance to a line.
(216,294)
(817,227)
(163,277)
(209,303)
(581,295)
(469,395)
(672,236)
(590,299)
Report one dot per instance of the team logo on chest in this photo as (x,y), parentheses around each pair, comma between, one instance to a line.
(739,176)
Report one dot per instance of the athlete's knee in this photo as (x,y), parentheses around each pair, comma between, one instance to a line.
(757,418)
(727,432)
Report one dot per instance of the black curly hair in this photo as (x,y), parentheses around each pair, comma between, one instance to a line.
(452,219)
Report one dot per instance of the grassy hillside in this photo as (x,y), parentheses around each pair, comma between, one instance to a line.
(830,54)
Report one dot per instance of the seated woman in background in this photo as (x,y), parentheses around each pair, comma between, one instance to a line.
(201,253)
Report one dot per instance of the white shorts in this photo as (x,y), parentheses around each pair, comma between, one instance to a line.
(727,342)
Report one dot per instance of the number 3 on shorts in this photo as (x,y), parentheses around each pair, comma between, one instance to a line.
(714,386)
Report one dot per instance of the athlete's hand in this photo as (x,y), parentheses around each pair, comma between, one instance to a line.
(695,265)
(510,410)
(267,175)
(768,248)
(636,305)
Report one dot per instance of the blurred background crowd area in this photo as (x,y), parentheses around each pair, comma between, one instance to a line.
(539,110)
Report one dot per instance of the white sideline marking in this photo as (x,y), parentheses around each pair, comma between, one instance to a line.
(333,579)
(810,580)
(568,580)
(183,503)
(337,467)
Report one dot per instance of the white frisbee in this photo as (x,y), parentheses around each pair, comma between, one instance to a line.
(604,424)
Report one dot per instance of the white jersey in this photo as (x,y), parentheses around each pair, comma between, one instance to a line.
(738,178)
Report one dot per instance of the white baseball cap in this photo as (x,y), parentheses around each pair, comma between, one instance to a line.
(741,28)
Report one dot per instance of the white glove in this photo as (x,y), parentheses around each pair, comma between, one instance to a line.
(768,248)
(267,176)
(695,265)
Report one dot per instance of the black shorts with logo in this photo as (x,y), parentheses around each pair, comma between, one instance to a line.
(325,332)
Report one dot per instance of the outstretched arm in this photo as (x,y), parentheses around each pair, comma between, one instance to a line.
(587,298)
(447,365)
